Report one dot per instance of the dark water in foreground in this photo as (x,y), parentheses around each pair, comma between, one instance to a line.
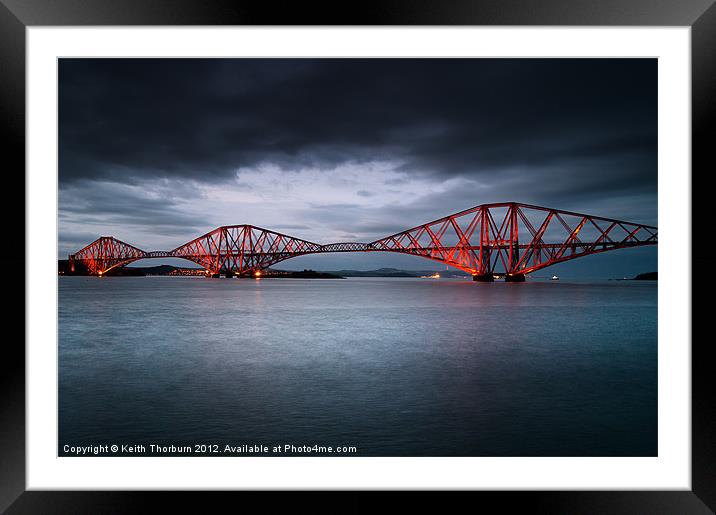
(394,367)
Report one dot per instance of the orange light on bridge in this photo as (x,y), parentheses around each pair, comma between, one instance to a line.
(257,273)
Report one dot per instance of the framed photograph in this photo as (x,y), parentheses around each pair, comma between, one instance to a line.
(407,251)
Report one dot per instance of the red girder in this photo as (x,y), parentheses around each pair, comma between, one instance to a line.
(242,249)
(483,240)
(106,253)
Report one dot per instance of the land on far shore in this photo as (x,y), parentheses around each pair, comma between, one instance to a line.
(647,276)
(170,270)
(395,272)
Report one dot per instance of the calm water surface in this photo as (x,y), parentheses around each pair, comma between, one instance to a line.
(394,367)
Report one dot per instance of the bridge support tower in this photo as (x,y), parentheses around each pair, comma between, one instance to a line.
(483,278)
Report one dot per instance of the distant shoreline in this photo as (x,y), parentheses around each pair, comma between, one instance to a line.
(170,270)
(647,276)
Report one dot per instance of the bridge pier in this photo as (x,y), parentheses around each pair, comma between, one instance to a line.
(483,278)
(515,278)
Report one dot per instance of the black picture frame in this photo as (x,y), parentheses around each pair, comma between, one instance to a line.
(17,15)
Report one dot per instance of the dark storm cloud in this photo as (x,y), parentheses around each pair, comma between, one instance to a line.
(203,119)
(96,203)
(77,239)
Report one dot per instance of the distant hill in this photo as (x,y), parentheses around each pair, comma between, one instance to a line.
(394,272)
(305,274)
(381,272)
(63,268)
(648,276)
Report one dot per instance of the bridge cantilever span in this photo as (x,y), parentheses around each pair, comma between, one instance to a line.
(507,240)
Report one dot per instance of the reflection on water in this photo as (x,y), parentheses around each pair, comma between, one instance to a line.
(395,367)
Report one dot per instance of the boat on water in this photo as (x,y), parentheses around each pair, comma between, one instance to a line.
(555,278)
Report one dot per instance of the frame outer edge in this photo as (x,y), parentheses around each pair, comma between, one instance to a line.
(703,109)
(368,12)
(12,101)
(12,377)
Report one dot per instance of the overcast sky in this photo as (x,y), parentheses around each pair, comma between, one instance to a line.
(158,151)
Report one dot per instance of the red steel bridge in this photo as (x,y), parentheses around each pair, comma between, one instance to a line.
(504,240)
